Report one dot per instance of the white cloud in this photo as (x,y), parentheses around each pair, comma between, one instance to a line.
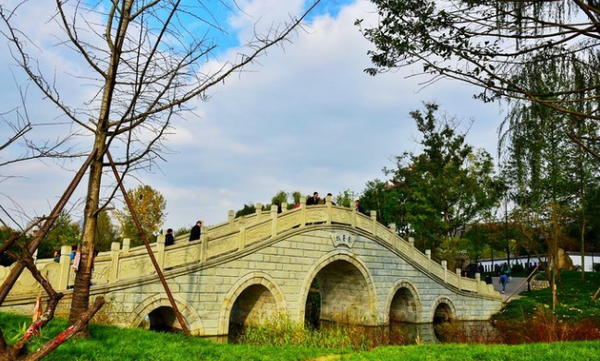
(304,118)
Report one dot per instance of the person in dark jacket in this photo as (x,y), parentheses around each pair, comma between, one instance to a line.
(358,207)
(313,200)
(169,238)
(196,231)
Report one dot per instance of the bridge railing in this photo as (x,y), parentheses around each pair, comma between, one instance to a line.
(123,262)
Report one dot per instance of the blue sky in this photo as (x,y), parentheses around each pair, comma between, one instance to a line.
(305,117)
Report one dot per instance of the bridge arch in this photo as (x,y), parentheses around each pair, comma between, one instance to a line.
(442,310)
(252,296)
(403,303)
(346,289)
(160,306)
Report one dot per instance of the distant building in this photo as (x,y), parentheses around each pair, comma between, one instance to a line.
(590,260)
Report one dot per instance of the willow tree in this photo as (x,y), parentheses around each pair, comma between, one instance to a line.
(546,167)
(488,43)
(145,61)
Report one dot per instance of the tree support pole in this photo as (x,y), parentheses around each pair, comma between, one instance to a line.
(16,271)
(147,244)
(522,283)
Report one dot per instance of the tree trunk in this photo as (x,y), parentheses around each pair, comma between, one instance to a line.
(83,276)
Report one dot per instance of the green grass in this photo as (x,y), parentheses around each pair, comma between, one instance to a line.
(574,299)
(112,343)
(576,351)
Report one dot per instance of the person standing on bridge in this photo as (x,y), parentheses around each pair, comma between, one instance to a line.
(169,239)
(358,207)
(314,200)
(196,231)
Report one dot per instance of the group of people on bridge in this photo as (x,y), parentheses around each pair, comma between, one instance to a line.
(195,234)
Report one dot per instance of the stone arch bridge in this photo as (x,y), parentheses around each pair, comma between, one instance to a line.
(249,269)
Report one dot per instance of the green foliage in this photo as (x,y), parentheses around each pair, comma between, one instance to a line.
(64,232)
(5,233)
(386,201)
(105,233)
(182,231)
(149,206)
(495,45)
(446,187)
(282,332)
(296,196)
(281,196)
(247,210)
(346,198)
(574,299)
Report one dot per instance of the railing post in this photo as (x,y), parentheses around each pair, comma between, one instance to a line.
(428,254)
(353,214)
(65,267)
(273,220)
(284,206)
(126,245)
(242,234)
(481,285)
(231,218)
(160,251)
(258,211)
(34,256)
(411,242)
(374,220)
(114,261)
(445,267)
(329,212)
(302,212)
(203,247)
(459,274)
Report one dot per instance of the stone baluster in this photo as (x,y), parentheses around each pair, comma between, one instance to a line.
(65,267)
(374,221)
(203,247)
(481,285)
(411,242)
(114,261)
(459,274)
(126,245)
(160,251)
(284,207)
(328,202)
(258,212)
(242,234)
(353,215)
(445,267)
(302,212)
(428,254)
(394,238)
(273,220)
(231,219)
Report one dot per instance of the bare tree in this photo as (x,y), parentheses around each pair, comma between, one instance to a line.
(146,67)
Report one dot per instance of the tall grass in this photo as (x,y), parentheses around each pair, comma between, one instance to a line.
(281,331)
